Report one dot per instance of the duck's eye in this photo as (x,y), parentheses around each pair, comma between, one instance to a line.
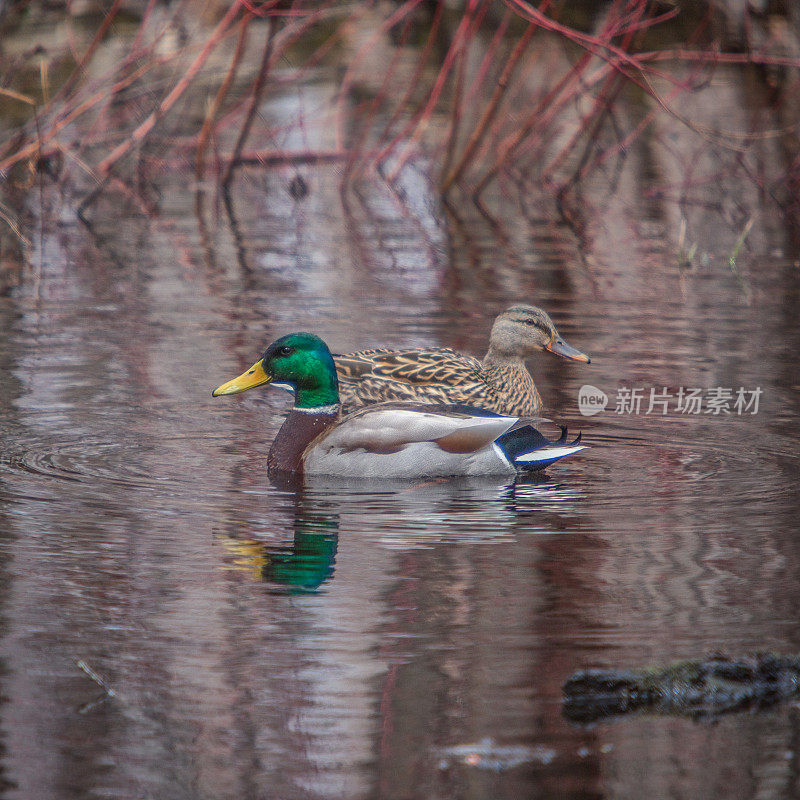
(285,351)
(529,321)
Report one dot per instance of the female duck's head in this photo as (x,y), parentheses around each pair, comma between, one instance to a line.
(522,330)
(299,360)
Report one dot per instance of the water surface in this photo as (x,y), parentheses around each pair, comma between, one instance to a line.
(173,625)
(364,640)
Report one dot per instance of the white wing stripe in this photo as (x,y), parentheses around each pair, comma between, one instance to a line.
(549,453)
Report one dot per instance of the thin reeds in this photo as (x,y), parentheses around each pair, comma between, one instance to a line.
(486,89)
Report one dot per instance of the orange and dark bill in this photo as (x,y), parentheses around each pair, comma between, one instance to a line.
(255,376)
(561,348)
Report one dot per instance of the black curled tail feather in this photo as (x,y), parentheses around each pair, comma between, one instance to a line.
(522,440)
(526,439)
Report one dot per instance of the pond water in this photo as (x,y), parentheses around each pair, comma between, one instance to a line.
(393,641)
(173,625)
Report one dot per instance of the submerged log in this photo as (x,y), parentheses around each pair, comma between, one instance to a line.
(707,688)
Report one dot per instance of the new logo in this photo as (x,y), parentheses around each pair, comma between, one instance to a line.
(591,400)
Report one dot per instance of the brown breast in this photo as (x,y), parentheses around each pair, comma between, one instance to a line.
(297,432)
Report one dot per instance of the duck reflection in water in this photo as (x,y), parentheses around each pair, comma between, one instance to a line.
(301,567)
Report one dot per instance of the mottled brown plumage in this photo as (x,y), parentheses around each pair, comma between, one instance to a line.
(500,383)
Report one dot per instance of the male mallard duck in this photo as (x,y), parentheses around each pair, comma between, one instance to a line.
(500,383)
(390,440)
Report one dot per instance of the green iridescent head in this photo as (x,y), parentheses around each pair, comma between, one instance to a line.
(301,360)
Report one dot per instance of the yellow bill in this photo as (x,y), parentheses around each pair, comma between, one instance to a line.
(255,376)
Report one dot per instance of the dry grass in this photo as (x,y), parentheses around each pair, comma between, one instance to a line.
(480,69)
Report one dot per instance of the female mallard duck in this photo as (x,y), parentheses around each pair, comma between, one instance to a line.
(391,440)
(500,383)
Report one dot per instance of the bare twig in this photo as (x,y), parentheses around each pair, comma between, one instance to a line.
(105,166)
(458,92)
(100,34)
(347,81)
(22,153)
(6,216)
(108,692)
(23,98)
(459,38)
(219,98)
(255,100)
(738,245)
(477,135)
